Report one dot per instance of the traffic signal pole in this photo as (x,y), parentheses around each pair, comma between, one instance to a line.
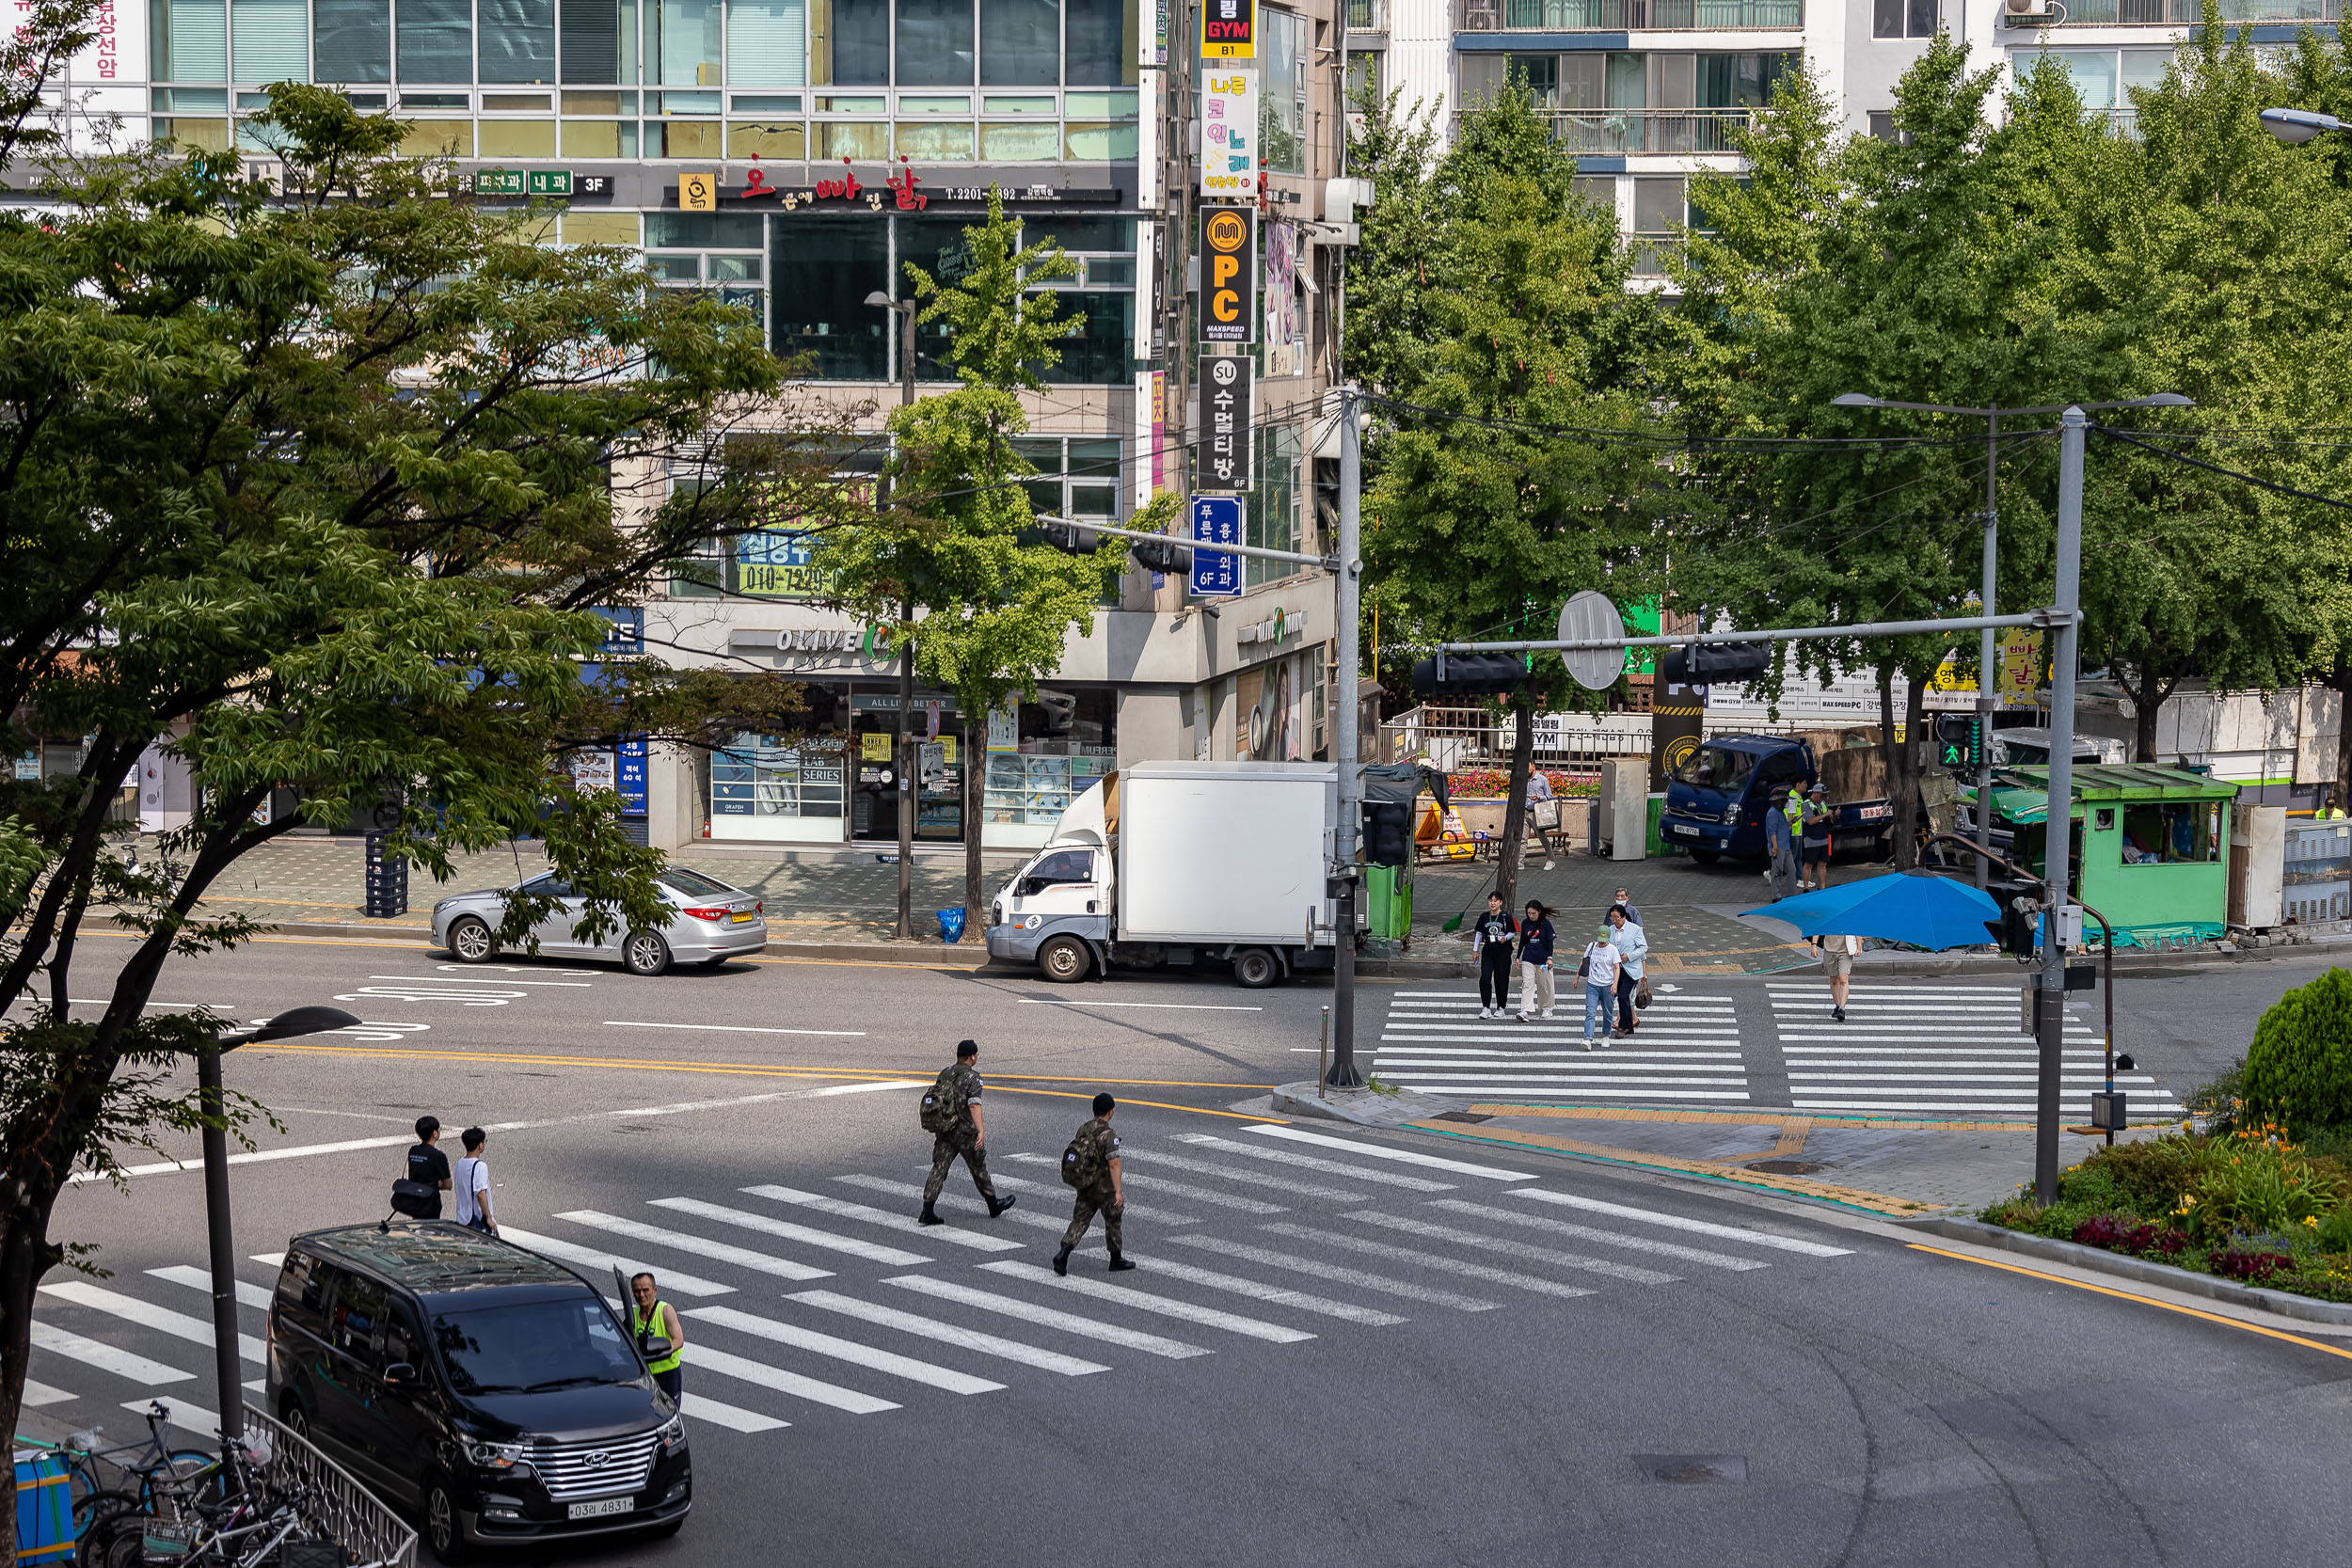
(2057,821)
(1343,1073)
(1984,644)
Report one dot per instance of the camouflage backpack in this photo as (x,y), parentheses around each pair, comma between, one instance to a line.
(1083,1165)
(943,1103)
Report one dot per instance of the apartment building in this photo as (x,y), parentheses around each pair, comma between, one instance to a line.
(793,156)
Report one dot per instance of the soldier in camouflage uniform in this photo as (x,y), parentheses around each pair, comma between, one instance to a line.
(967,1135)
(1106,1194)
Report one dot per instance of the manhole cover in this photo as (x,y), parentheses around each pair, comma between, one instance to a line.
(1686,1469)
(1787,1167)
(1460,1116)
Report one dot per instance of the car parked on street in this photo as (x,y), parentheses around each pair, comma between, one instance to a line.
(710,922)
(490,1390)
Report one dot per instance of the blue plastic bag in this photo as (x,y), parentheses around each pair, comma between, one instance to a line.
(951,925)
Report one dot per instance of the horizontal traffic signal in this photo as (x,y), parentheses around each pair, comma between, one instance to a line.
(1470,674)
(1172,556)
(1069,538)
(1717,663)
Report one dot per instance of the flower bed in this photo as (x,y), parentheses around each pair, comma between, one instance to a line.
(2248,1205)
(1494,783)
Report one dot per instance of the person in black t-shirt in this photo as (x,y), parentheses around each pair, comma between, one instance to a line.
(427,1164)
(1492,937)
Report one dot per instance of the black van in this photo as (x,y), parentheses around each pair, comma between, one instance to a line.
(490,1389)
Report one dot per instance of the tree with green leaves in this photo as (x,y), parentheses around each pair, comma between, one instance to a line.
(313,492)
(954,559)
(1509,469)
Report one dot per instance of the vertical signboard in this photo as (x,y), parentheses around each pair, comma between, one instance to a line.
(1215,520)
(1228,275)
(1226,396)
(629,776)
(1229,133)
(1229,29)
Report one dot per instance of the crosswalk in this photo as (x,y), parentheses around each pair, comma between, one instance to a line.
(1937,1050)
(820,1300)
(1687,1052)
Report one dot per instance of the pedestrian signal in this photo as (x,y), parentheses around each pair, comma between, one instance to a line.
(1960,741)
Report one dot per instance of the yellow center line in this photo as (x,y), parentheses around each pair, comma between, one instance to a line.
(2145,1301)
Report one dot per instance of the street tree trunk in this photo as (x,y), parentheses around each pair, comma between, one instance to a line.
(2149,692)
(1515,806)
(975,767)
(1902,777)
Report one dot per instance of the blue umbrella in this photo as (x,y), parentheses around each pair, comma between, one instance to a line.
(1919,909)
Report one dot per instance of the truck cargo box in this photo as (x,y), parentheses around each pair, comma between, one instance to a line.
(1225,852)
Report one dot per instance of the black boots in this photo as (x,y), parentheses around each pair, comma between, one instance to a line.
(1120,1262)
(998,1205)
(928,1216)
(1062,1262)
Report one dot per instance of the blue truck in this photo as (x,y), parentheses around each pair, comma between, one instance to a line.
(1717,795)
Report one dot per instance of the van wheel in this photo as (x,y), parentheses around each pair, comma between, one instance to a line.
(470,941)
(1064,961)
(442,1531)
(1256,969)
(644,953)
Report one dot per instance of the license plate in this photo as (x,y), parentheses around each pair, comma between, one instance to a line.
(1685,832)
(739,919)
(603,1508)
(1872,813)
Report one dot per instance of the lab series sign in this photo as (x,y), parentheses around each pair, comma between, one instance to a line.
(1228,275)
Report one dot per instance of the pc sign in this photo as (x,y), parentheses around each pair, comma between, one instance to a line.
(1215,520)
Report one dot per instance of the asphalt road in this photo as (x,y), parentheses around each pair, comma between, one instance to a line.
(1367,1360)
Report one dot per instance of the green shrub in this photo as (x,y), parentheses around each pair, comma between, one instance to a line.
(2147,1176)
(2299,1070)
(2218,1102)
(2256,1184)
(2335,1230)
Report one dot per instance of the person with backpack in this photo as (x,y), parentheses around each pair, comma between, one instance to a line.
(418,1195)
(473,1183)
(1491,940)
(1090,1164)
(952,1115)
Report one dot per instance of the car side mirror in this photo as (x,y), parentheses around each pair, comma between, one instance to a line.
(400,1374)
(654,1346)
(1029,886)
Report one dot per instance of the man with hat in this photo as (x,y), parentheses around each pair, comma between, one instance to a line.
(1815,841)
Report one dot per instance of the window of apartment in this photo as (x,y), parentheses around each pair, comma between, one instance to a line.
(1272,520)
(822,269)
(1598,191)
(1283,89)
(1363,73)
(1540,74)
(1897,19)
(1659,204)
(2103,78)
(1076,477)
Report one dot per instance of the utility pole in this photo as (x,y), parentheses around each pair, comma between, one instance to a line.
(1984,647)
(909,770)
(229,1377)
(1346,748)
(2050,1001)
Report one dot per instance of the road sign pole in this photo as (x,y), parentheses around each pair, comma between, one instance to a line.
(2050,1016)
(1343,1073)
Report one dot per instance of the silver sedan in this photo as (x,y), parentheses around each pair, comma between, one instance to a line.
(709,923)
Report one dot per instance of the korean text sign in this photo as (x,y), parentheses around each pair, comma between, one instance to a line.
(1226,392)
(1228,275)
(1228,135)
(1215,520)
(1229,29)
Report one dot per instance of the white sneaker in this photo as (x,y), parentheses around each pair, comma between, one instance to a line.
(1527,1018)
(1547,1012)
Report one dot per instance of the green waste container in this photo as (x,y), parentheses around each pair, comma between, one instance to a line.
(1392,895)
(1654,843)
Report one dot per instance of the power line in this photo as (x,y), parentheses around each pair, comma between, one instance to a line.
(2226,473)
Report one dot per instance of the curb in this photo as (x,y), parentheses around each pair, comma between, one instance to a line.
(1360,1107)
(2283,1303)
(933,955)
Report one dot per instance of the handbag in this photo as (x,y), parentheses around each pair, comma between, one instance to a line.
(1641,994)
(1547,815)
(416,1199)
(1584,967)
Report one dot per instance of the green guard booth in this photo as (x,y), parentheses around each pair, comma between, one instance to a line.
(2150,850)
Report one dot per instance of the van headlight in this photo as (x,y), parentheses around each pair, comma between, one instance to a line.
(997,915)
(497,1456)
(674,1434)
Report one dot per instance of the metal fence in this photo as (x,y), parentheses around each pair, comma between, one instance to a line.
(1552,16)
(1639,130)
(2315,880)
(346,1510)
(1461,738)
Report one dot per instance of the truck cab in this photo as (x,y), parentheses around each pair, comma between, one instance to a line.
(1717,797)
(1056,911)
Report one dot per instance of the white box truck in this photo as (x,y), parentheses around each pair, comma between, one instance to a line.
(1181,865)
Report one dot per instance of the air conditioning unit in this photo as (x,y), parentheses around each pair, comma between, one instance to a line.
(2020,13)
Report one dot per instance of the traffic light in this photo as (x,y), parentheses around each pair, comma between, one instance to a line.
(1069,538)
(2013,932)
(1471,675)
(1172,556)
(1717,663)
(1960,741)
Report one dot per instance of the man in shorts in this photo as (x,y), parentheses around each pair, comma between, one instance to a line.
(1838,954)
(1813,838)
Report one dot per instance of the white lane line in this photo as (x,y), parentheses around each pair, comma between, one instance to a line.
(1283,1184)
(2017,1108)
(684,1107)
(1607,1238)
(1307,1162)
(163,1319)
(1676,1221)
(1429,1260)
(872,1252)
(477,980)
(1182,1189)
(1047,1316)
(1884,1077)
(106,1357)
(187,1416)
(1469,1054)
(1543,1088)
(275,1260)
(182,1274)
(843,1209)
(1446,1072)
(734,1029)
(887,1362)
(1334,1271)
(1144,1301)
(1512,1249)
(38,1395)
(1167,1007)
(1275,1295)
(947,1333)
(701,1246)
(1137,1210)
(702,1407)
(598,1260)
(760,1373)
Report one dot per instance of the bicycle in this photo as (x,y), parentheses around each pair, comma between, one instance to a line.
(242,1524)
(148,1460)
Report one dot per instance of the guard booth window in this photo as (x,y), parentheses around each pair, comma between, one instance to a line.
(2184,832)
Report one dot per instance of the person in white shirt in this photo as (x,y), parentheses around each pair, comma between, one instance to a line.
(1838,954)
(1626,936)
(1601,959)
(472,1181)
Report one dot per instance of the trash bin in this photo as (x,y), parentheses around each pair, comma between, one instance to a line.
(951,925)
(44,1509)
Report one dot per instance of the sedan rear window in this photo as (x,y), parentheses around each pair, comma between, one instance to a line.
(533,1346)
(693,884)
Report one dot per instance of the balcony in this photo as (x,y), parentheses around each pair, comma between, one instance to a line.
(2174,14)
(1367,16)
(1618,16)
(1641,130)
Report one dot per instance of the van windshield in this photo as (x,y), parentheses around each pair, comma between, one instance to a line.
(1717,768)
(533,1346)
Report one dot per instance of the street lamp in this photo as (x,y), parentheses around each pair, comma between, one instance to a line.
(909,762)
(2299,125)
(286,1025)
(906,309)
(1991,550)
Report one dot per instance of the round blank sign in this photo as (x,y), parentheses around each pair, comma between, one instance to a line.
(1587,616)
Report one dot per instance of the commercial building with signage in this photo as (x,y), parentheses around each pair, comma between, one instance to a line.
(793,157)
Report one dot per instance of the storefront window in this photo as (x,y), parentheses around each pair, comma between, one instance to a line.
(822,269)
(767,787)
(1043,758)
